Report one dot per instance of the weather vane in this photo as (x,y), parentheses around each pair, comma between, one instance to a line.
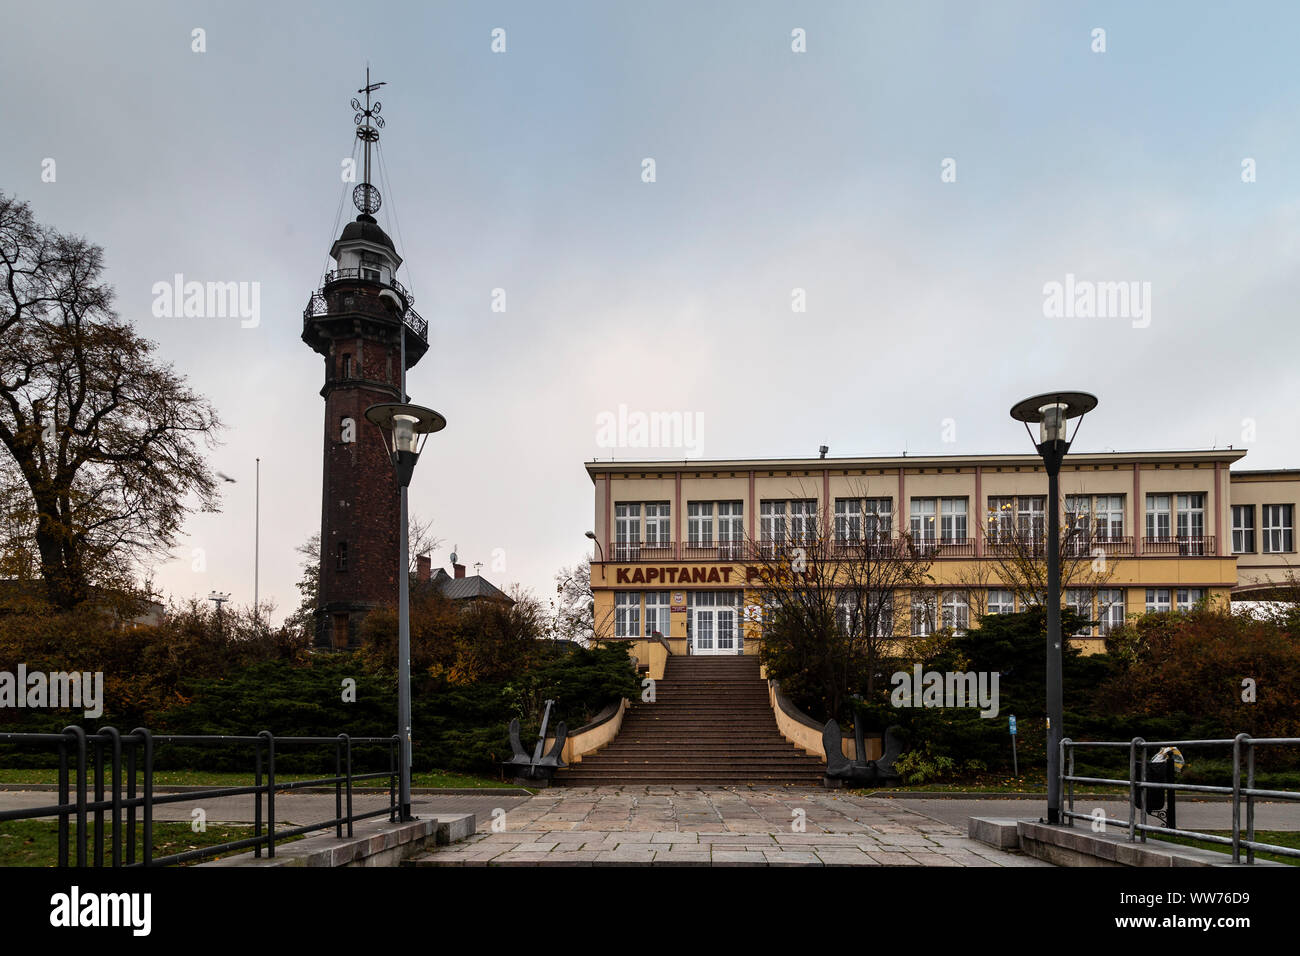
(365,196)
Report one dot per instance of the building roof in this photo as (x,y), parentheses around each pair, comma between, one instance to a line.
(366,228)
(466,588)
(595,467)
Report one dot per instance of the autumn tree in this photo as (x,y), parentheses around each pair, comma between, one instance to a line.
(105,441)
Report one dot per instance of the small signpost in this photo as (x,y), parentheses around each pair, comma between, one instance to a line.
(1015,763)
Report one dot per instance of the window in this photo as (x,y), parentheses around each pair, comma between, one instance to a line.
(657,612)
(1158,517)
(370,264)
(627,613)
(859,520)
(1243,529)
(1079,600)
(699,523)
(347,365)
(341,556)
(627,530)
(865,614)
(772,524)
(923,613)
(956,611)
(730,534)
(848,520)
(1188,597)
(658,525)
(731,521)
(1191,523)
(731,529)
(1110,609)
(1031,515)
(1157,599)
(1279,528)
(1002,602)
(803,521)
(1002,521)
(1108,517)
(952,520)
(923,515)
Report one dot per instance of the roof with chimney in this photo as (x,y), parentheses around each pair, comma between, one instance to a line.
(461,587)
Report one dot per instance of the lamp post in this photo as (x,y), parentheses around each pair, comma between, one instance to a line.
(1052,413)
(600,551)
(405,429)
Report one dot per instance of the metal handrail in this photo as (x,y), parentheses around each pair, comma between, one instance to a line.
(356,275)
(74,741)
(1138,747)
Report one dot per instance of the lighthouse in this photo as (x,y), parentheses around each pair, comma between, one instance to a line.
(362,322)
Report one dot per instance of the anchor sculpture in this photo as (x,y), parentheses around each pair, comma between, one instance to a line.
(537,766)
(858,770)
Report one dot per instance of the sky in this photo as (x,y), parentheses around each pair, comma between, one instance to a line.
(856,215)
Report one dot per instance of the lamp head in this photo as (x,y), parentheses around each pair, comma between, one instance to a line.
(405,428)
(1052,412)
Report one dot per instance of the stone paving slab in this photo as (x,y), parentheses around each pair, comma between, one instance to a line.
(715,826)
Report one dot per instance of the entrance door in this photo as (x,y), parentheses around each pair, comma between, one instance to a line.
(713,624)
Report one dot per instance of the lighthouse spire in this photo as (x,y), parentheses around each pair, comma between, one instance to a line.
(368,122)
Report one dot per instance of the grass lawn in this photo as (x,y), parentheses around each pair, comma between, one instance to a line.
(162,778)
(1287,838)
(36,842)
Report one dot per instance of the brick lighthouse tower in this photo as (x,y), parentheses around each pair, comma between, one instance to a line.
(362,323)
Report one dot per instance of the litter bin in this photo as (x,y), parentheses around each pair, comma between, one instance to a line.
(1161,769)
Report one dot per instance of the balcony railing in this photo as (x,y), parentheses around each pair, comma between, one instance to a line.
(321,303)
(643,551)
(715,551)
(360,275)
(1195,545)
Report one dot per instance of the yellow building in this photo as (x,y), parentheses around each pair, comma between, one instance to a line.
(680,545)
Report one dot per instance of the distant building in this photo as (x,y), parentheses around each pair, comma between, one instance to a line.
(457,586)
(680,544)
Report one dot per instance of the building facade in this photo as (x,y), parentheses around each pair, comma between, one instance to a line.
(682,546)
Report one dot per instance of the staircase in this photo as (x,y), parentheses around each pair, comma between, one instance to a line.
(710,724)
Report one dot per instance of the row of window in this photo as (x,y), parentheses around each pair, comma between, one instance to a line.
(1278,529)
(638,613)
(945,519)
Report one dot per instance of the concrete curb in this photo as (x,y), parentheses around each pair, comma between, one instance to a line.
(374,843)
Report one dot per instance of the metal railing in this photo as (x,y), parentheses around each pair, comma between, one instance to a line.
(320,303)
(362,275)
(133,754)
(1185,545)
(1243,745)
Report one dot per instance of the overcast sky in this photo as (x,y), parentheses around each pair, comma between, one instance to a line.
(775,171)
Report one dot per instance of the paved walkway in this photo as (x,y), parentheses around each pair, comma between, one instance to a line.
(683,826)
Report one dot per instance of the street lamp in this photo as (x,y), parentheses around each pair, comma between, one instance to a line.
(405,429)
(600,550)
(1052,413)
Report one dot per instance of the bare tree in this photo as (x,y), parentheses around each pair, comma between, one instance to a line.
(829,603)
(105,437)
(1016,550)
(574,615)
